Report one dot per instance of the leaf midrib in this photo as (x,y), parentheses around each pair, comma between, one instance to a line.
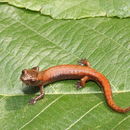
(79,93)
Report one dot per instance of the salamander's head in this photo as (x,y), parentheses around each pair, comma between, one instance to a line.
(30,76)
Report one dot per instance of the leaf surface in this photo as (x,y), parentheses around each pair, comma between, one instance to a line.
(29,39)
(75,9)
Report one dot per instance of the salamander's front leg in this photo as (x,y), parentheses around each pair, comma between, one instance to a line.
(34,100)
(84,62)
(81,83)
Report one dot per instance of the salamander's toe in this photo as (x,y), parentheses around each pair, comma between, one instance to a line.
(32,101)
(78,86)
(80,62)
(84,62)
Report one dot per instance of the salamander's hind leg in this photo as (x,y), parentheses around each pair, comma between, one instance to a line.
(84,62)
(81,83)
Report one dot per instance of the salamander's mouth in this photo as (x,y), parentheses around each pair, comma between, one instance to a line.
(24,81)
(21,78)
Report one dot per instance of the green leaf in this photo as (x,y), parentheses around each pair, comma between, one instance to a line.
(75,9)
(29,39)
(85,111)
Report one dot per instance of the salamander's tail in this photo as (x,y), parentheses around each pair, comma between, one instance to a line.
(115,107)
(108,94)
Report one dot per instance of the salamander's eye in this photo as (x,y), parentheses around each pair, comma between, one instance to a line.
(22,71)
(36,68)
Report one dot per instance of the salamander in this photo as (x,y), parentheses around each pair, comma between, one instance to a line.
(82,71)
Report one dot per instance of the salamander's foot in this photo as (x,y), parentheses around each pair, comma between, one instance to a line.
(32,101)
(78,85)
(81,83)
(84,62)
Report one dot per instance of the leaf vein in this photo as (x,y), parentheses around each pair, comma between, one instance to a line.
(120,122)
(48,40)
(104,36)
(83,115)
(41,111)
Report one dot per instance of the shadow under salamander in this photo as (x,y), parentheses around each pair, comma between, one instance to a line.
(18,102)
(30,89)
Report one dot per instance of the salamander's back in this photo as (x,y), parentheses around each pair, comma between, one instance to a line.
(61,72)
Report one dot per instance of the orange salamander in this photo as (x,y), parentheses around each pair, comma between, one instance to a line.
(83,71)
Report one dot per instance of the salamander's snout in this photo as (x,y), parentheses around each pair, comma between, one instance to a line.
(21,78)
(23,74)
